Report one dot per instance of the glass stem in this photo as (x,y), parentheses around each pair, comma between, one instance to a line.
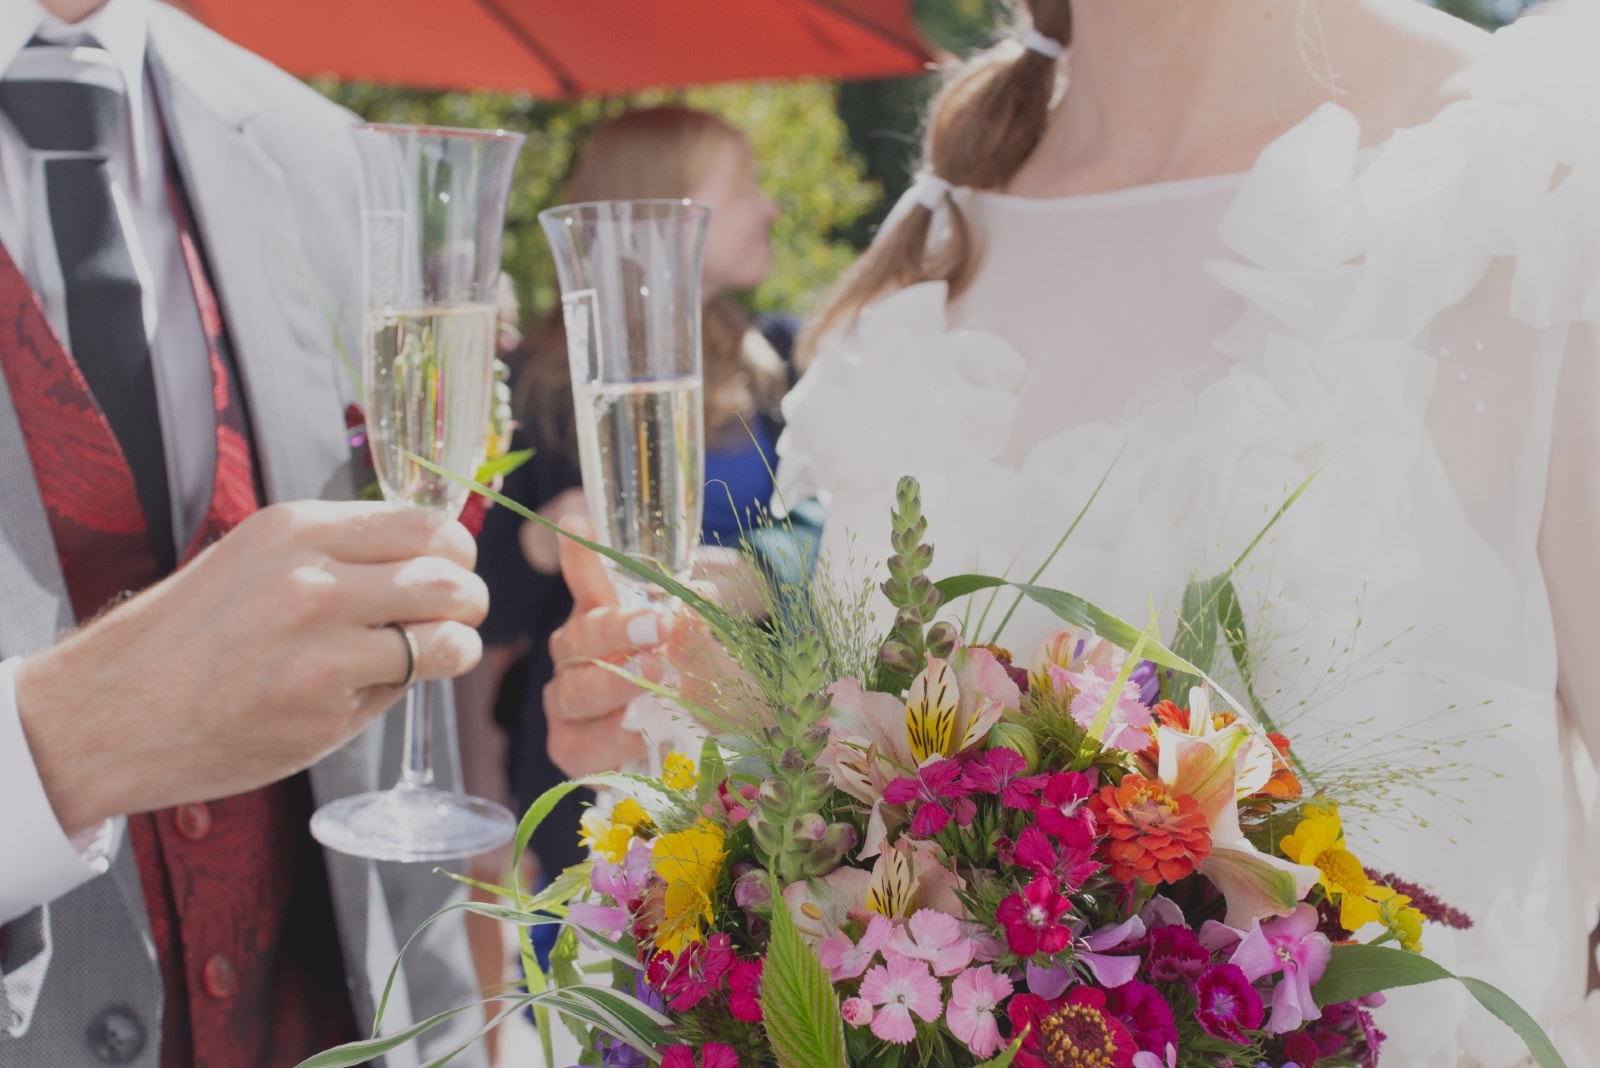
(417,772)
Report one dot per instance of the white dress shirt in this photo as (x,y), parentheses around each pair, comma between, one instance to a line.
(38,863)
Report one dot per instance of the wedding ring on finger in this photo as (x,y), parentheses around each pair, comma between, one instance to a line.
(413,655)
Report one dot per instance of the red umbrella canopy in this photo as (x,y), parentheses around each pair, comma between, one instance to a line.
(569,48)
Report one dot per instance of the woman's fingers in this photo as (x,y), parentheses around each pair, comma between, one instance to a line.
(583,569)
(583,748)
(607,634)
(591,692)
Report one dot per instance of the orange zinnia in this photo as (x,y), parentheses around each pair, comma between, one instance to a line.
(1154,836)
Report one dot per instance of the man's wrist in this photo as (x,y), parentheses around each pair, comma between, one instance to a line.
(74,775)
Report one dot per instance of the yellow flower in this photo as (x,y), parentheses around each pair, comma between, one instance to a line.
(1403,922)
(610,837)
(1319,842)
(689,862)
(677,771)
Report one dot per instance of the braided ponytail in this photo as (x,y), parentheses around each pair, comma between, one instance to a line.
(985,121)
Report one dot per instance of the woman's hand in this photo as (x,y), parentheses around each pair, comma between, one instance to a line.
(583,703)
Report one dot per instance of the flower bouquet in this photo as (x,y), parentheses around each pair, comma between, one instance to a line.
(926,852)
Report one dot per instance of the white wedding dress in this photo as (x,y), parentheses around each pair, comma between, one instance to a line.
(1412,323)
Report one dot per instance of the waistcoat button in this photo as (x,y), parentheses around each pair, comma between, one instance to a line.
(220,976)
(116,1036)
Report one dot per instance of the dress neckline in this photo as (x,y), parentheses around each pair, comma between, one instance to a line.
(1167,189)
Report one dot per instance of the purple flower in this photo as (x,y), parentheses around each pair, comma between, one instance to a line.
(935,784)
(609,921)
(1228,1005)
(1145,1013)
(1294,946)
(1112,971)
(1176,955)
(1148,679)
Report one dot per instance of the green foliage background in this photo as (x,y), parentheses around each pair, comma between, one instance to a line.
(835,157)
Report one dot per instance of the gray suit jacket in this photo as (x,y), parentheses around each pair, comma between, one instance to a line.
(270,169)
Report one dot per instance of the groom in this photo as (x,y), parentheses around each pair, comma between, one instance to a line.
(177,241)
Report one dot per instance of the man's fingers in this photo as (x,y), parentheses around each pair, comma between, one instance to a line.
(426,588)
(369,532)
(583,568)
(379,656)
(592,692)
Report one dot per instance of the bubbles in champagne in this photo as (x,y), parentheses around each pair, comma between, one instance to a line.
(644,467)
(429,386)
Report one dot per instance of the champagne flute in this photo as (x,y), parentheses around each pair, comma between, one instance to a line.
(630,296)
(433,209)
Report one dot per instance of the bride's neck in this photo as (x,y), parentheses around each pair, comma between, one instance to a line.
(1162,90)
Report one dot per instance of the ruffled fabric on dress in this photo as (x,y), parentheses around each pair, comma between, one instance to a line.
(1407,312)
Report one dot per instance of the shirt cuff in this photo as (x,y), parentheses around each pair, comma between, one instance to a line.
(38,862)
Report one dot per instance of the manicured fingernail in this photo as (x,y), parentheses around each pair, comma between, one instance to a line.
(644,629)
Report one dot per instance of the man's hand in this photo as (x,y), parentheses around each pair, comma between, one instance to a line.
(264,654)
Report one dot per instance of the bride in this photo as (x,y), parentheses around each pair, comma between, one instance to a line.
(1215,249)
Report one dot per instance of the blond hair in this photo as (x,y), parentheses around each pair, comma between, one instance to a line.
(660,152)
(985,121)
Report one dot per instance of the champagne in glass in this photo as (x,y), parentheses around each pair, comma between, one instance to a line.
(427,371)
(432,211)
(639,445)
(630,295)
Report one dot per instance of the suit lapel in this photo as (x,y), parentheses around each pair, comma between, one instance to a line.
(280,334)
(36,607)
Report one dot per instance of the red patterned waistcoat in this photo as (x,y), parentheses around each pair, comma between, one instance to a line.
(235,888)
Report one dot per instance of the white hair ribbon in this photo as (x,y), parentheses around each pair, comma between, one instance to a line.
(1049,47)
(929,190)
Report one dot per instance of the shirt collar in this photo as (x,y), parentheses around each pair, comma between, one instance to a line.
(120,26)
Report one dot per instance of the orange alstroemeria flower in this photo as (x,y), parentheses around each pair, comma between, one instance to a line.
(1155,836)
(1284,784)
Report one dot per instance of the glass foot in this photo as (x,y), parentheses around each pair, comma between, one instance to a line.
(412,824)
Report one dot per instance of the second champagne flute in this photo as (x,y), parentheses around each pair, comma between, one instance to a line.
(630,297)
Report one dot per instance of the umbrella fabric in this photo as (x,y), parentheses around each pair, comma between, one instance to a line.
(556,48)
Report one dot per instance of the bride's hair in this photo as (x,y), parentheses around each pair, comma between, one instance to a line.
(984,122)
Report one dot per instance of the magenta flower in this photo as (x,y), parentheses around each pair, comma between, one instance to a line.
(744,991)
(998,772)
(1176,955)
(699,972)
(899,988)
(731,805)
(1228,1005)
(712,1055)
(1294,946)
(974,996)
(1064,810)
(1033,918)
(1145,1013)
(938,794)
(936,938)
(845,959)
(626,881)
(1070,865)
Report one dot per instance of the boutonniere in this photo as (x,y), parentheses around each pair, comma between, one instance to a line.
(499,460)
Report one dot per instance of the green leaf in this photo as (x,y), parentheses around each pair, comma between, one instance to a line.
(503,464)
(799,1005)
(354,1053)
(1004,1059)
(1196,636)
(1354,971)
(712,771)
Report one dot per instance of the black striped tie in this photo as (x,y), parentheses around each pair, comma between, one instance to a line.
(68,105)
